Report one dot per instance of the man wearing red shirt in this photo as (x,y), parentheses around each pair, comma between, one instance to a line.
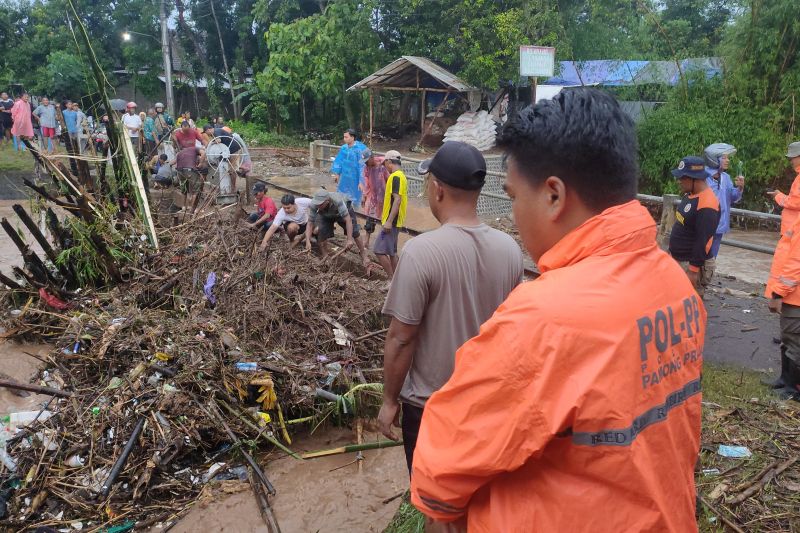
(266,212)
(187,135)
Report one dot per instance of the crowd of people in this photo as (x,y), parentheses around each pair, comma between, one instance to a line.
(510,396)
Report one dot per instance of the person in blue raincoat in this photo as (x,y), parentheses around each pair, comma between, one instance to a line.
(348,167)
(717,159)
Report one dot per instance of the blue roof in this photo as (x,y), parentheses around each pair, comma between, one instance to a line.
(615,72)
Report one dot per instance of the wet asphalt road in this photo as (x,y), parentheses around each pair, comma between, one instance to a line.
(741,330)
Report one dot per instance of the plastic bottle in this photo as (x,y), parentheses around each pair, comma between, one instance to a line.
(247,367)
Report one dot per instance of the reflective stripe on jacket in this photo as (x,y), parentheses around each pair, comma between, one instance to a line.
(577,406)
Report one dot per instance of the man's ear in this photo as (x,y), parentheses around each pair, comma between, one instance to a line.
(556,191)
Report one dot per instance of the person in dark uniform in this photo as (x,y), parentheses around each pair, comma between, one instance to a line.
(696,220)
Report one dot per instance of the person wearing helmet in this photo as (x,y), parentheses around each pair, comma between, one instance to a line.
(696,221)
(717,160)
(163,121)
(133,123)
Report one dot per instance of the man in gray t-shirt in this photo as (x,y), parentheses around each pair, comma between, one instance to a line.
(447,283)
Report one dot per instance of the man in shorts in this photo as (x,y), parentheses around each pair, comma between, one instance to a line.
(45,113)
(292,218)
(329,208)
(393,216)
(187,163)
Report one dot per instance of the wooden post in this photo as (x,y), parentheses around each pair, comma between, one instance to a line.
(667,219)
(422,116)
(534,83)
(371,118)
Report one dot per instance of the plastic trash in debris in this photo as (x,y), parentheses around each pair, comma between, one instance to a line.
(23,418)
(736,452)
(246,367)
(334,369)
(5,458)
(117,321)
(748,311)
(212,471)
(710,471)
(115,383)
(340,337)
(211,280)
(15,312)
(75,461)
(237,472)
(322,358)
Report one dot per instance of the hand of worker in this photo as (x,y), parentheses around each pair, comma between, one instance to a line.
(389,416)
(386,228)
(262,247)
(694,277)
(773,194)
(249,225)
(349,244)
(739,181)
(336,178)
(775,305)
(434,526)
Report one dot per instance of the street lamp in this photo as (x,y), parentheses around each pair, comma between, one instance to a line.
(126,36)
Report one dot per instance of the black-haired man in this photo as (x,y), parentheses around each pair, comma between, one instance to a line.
(578,403)
(292,218)
(265,208)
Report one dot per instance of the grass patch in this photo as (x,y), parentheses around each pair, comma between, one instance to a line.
(738,410)
(255,135)
(15,161)
(407,519)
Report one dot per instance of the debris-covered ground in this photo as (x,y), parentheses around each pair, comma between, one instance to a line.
(207,342)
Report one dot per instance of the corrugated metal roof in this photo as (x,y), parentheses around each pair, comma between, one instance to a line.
(402,72)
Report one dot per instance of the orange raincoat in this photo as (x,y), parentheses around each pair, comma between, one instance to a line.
(784,276)
(790,204)
(577,406)
(791,208)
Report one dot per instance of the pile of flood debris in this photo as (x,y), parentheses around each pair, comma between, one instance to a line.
(208,350)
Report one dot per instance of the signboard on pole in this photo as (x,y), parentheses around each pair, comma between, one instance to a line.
(537,61)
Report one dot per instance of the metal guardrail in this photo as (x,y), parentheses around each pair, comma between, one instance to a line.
(495,202)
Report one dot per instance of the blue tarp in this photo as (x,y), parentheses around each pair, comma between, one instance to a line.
(614,72)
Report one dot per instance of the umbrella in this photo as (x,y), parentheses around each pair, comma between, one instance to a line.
(118,104)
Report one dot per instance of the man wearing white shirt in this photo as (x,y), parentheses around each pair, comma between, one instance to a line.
(133,123)
(291,218)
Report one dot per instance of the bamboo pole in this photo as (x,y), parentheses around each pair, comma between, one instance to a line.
(371,119)
(353,448)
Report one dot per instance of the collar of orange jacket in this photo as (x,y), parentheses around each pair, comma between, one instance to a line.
(621,228)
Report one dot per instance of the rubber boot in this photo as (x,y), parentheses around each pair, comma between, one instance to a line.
(791,390)
(780,382)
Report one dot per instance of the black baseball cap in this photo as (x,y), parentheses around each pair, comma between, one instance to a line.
(690,167)
(457,164)
(259,187)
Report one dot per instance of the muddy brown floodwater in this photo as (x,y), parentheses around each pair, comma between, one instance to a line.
(16,363)
(315,495)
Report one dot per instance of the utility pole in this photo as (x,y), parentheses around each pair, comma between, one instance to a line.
(167,59)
